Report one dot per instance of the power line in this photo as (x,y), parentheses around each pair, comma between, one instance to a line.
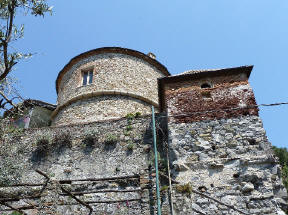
(275,104)
(211,111)
(224,110)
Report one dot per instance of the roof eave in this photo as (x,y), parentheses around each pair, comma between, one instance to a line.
(126,51)
(206,73)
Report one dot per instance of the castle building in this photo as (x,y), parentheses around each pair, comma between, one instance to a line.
(214,154)
(107,83)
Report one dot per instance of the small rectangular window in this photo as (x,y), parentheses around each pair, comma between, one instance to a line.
(90,76)
(87,77)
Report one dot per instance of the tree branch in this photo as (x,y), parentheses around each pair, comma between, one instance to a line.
(8,64)
(78,200)
(11,207)
(219,202)
(11,9)
(8,100)
(66,191)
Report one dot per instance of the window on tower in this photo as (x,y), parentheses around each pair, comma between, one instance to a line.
(87,77)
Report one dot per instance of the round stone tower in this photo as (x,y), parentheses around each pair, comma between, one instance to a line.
(106,83)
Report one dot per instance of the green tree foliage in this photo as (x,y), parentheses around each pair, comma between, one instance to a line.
(10,33)
(282,154)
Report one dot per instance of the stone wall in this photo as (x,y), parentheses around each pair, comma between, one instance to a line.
(105,164)
(40,117)
(221,166)
(229,160)
(112,71)
(224,101)
(113,74)
(99,108)
(196,82)
(225,96)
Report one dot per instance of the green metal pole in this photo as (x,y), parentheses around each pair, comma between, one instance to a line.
(156,162)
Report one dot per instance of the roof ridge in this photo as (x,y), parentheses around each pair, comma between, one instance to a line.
(194,71)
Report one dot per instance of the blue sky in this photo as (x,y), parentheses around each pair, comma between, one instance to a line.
(184,35)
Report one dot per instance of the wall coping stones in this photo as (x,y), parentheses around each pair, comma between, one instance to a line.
(102,93)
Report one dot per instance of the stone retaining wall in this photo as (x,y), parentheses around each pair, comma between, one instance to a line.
(106,164)
(218,167)
(230,160)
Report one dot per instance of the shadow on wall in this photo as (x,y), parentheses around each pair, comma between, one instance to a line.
(45,147)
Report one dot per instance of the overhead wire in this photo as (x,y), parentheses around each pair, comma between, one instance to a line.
(224,109)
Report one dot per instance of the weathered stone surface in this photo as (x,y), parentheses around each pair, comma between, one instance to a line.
(248,187)
(232,168)
(90,151)
(114,73)
(100,108)
(231,96)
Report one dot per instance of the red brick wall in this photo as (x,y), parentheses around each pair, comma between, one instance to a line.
(228,99)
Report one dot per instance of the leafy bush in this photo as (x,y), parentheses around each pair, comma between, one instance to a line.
(130,116)
(130,146)
(129,127)
(126,133)
(16,213)
(43,145)
(89,142)
(137,114)
(90,139)
(111,139)
(42,149)
(184,188)
(133,115)
(164,188)
(282,154)
(61,142)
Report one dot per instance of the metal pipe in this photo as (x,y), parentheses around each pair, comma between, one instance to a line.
(156,162)
(169,179)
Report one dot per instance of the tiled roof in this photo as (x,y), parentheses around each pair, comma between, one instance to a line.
(207,70)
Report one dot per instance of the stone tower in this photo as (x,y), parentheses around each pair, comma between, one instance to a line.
(107,83)
(218,145)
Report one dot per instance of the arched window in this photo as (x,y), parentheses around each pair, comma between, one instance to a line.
(206,85)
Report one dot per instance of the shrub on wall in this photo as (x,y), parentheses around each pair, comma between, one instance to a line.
(130,147)
(184,188)
(282,154)
(110,139)
(42,149)
(90,139)
(61,142)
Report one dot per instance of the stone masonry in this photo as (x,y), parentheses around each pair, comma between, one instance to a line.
(99,108)
(97,156)
(218,148)
(115,75)
(105,164)
(230,160)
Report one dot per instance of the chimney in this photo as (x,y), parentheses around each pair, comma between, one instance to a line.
(150,54)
